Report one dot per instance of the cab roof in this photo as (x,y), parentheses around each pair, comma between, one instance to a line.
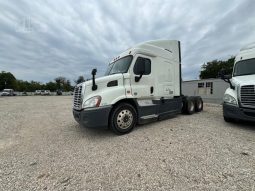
(247,52)
(162,48)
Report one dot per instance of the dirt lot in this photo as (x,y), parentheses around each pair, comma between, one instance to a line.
(43,148)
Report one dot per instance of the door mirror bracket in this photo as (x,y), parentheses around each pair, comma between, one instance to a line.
(140,71)
(226,78)
(137,78)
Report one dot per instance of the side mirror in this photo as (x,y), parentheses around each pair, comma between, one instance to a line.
(226,78)
(94,86)
(141,68)
(94,71)
(222,73)
(223,76)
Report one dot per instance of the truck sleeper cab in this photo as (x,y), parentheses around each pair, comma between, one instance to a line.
(239,98)
(140,85)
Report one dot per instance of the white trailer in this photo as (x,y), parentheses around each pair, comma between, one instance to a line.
(239,98)
(142,84)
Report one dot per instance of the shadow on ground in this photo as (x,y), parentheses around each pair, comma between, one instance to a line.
(94,133)
(248,125)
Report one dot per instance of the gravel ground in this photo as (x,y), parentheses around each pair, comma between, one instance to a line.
(43,148)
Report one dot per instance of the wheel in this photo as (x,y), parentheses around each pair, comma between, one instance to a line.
(190,106)
(123,118)
(228,120)
(199,104)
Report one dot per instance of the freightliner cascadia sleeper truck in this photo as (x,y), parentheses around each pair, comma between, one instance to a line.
(239,98)
(142,84)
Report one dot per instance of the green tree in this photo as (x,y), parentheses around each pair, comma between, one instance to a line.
(52,86)
(22,85)
(35,86)
(67,86)
(211,69)
(7,81)
(79,80)
(60,81)
(63,84)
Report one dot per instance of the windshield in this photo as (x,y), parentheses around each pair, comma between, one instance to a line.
(119,66)
(245,67)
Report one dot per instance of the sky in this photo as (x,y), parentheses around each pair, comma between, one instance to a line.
(41,40)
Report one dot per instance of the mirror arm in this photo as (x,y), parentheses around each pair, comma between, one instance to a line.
(137,78)
(94,86)
(227,80)
(231,85)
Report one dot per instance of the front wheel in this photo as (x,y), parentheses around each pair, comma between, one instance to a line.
(123,118)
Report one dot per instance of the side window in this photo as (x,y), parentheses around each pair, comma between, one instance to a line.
(201,85)
(147,63)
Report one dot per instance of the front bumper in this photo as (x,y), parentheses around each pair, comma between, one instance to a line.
(93,117)
(235,112)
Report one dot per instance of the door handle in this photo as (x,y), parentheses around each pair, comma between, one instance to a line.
(152,89)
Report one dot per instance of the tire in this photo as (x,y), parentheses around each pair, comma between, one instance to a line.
(190,106)
(184,106)
(199,105)
(123,119)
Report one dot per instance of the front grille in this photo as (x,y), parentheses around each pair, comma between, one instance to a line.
(248,96)
(77,99)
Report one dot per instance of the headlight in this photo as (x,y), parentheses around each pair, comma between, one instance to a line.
(92,102)
(229,99)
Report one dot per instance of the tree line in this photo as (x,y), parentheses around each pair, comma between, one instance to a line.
(212,68)
(9,81)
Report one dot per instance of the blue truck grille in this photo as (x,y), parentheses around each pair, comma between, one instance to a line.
(248,95)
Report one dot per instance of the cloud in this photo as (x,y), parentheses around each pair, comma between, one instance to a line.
(41,40)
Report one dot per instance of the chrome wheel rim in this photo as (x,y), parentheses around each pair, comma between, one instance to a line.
(124,119)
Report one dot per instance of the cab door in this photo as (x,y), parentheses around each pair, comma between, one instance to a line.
(142,82)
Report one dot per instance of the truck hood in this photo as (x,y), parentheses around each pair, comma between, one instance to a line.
(244,80)
(107,93)
(104,79)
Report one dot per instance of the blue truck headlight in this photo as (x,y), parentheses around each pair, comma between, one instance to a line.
(92,102)
(229,99)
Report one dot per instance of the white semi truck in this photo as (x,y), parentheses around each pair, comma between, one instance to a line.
(239,98)
(142,84)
